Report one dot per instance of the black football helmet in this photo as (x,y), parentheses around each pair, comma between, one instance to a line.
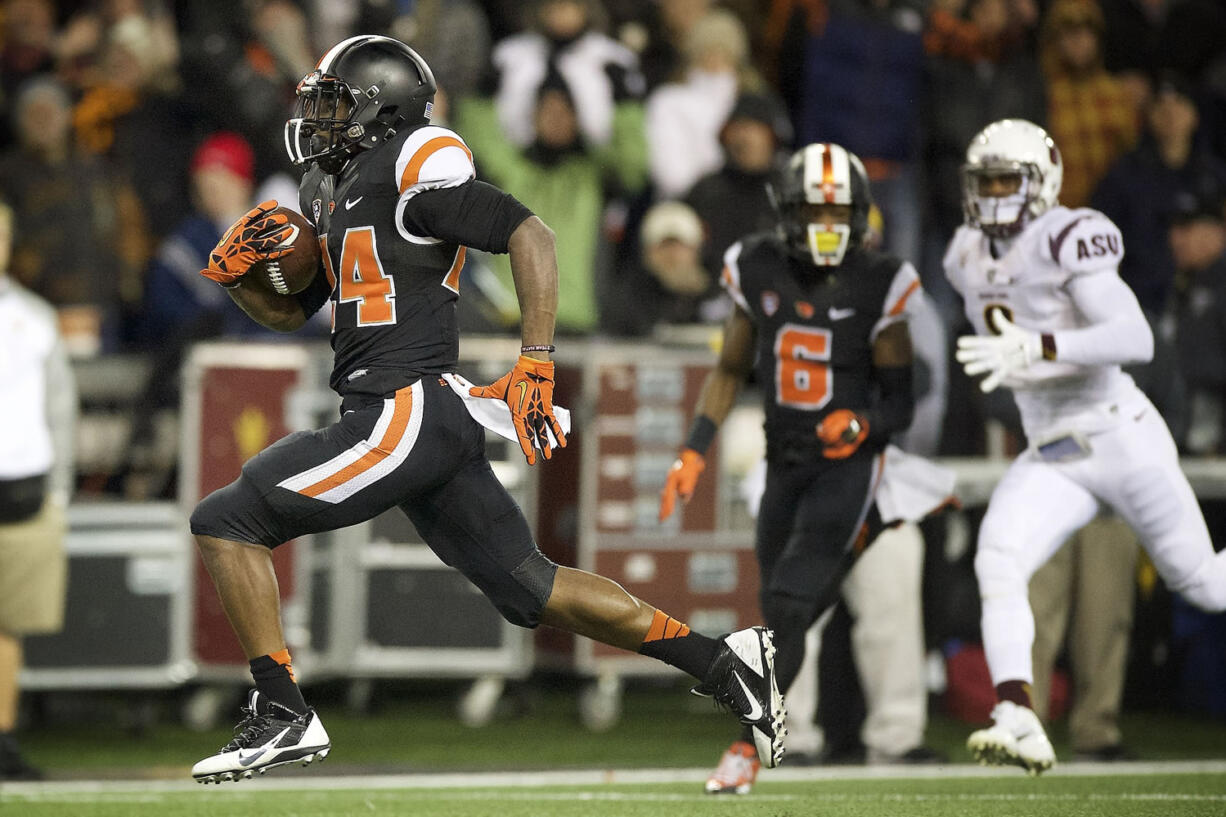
(361,93)
(822,173)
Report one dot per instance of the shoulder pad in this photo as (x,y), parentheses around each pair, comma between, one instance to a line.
(431,158)
(1084,241)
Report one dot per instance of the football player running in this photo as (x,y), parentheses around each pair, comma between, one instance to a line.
(825,319)
(395,202)
(1055,322)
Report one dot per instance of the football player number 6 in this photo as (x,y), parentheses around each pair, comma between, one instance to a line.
(362,279)
(802,378)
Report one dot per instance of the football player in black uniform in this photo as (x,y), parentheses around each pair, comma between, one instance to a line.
(825,320)
(395,202)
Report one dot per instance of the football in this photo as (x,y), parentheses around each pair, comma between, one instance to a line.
(290,274)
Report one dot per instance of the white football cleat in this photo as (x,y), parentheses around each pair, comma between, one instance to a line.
(1015,738)
(269,735)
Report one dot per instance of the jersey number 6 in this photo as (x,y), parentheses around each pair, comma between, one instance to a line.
(802,378)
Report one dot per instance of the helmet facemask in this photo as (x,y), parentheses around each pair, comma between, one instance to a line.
(323,128)
(828,232)
(997,215)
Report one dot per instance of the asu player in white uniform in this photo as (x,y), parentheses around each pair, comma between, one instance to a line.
(1055,322)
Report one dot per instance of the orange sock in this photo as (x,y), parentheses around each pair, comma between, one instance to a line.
(274,678)
(665,626)
(673,642)
(282,658)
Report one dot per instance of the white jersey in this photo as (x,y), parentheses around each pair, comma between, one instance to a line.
(1030,282)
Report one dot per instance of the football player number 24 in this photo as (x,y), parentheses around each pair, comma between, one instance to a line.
(362,279)
(802,377)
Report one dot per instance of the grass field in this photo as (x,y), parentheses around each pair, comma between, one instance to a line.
(1146,791)
(408,755)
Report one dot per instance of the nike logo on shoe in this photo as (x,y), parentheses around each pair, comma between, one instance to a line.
(349,204)
(755,712)
(836,314)
(248,756)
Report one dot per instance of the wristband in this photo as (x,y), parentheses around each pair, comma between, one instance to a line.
(1048,341)
(702,433)
(538,347)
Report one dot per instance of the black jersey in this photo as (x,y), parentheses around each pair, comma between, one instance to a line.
(393,293)
(815,329)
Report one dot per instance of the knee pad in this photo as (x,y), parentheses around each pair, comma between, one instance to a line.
(535,576)
(237,513)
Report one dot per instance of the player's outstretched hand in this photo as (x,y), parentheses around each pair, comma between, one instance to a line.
(528,391)
(998,355)
(681,481)
(841,432)
(260,235)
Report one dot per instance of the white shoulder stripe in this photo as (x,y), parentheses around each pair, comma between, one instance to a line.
(903,290)
(730,278)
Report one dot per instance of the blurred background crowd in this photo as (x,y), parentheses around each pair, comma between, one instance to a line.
(642,132)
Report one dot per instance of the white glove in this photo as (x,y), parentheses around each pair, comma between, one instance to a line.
(998,355)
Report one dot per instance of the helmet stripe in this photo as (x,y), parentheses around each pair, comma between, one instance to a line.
(828,183)
(325,62)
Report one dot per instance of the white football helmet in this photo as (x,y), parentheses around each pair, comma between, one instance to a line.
(1006,147)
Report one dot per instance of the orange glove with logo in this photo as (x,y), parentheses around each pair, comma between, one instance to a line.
(681,481)
(841,432)
(528,391)
(260,235)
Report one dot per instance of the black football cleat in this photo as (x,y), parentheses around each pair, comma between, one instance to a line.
(742,678)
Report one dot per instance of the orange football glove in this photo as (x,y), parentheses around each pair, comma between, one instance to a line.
(260,235)
(528,391)
(681,481)
(841,432)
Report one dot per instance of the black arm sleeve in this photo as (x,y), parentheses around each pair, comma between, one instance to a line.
(475,214)
(895,404)
(315,295)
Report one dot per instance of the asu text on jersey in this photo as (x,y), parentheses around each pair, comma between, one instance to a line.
(815,329)
(393,293)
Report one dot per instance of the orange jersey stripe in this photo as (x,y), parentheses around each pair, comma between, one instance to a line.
(391,438)
(901,303)
(452,279)
(412,171)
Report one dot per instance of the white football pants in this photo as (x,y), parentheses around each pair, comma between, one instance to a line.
(1134,469)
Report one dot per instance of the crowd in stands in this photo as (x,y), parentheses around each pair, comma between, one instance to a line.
(642,131)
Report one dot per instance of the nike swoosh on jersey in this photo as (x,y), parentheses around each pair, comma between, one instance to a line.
(349,204)
(755,706)
(837,314)
(245,759)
